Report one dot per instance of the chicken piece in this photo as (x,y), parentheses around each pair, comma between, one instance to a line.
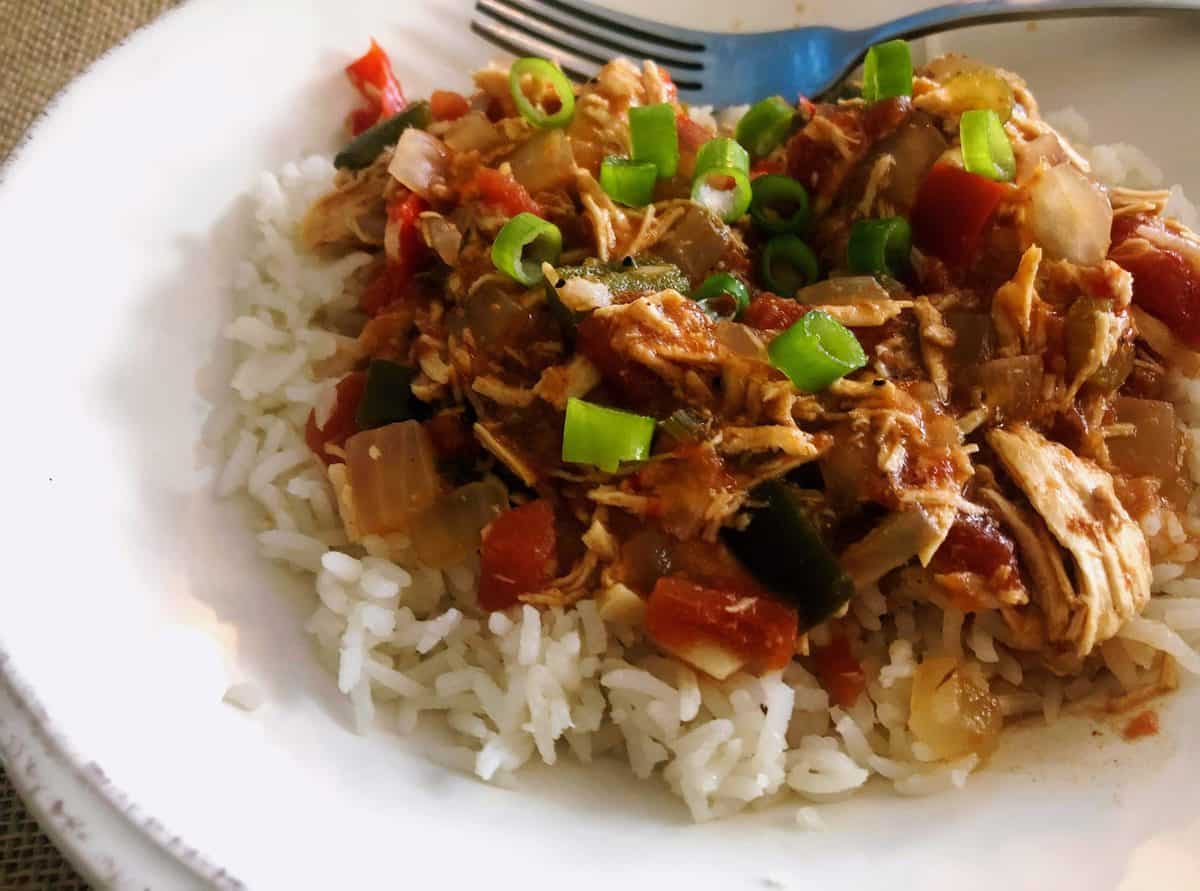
(1163,341)
(507,453)
(1043,561)
(1076,500)
(666,333)
(895,449)
(936,342)
(857,301)
(441,235)
(355,212)
(611,226)
(790,440)
(1012,307)
(900,537)
(560,382)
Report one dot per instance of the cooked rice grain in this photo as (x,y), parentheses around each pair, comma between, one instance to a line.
(523,684)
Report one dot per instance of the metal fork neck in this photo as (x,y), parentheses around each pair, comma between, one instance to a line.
(958,15)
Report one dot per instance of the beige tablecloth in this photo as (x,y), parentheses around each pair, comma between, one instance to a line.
(43,44)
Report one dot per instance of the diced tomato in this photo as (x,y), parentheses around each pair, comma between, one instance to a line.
(768,312)
(951,211)
(446,105)
(681,615)
(691,134)
(813,161)
(517,555)
(340,425)
(373,77)
(975,543)
(502,192)
(839,672)
(451,436)
(1165,284)
(885,116)
(393,282)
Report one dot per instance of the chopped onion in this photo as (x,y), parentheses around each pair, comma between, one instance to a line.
(1153,449)
(951,713)
(494,315)
(544,162)
(441,235)
(915,147)
(419,162)
(450,531)
(1070,216)
(696,242)
(741,340)
(392,476)
(844,291)
(1012,387)
(473,132)
(1047,149)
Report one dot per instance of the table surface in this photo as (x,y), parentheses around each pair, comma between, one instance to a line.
(43,44)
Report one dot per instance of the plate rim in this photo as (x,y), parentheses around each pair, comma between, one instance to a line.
(29,732)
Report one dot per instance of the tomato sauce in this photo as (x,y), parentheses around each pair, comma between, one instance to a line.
(1144,723)
(341,423)
(839,672)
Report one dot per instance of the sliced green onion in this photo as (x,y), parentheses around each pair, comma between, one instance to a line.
(722,296)
(723,190)
(816,351)
(765,126)
(787,265)
(985,146)
(523,245)
(654,137)
(628,182)
(779,204)
(604,437)
(543,74)
(387,396)
(719,154)
(880,247)
(887,71)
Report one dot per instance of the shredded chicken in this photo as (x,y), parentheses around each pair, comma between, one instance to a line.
(1076,500)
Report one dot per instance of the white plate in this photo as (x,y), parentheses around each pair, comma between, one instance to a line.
(133,598)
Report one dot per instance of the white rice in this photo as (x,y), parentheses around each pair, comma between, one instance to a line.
(409,644)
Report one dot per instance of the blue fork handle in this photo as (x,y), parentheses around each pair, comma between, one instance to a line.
(960,15)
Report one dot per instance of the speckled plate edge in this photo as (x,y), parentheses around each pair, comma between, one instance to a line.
(100,831)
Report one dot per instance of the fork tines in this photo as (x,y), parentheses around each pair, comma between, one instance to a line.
(582,37)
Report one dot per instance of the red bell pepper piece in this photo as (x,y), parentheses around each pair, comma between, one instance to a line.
(374,79)
(517,555)
(340,425)
(951,211)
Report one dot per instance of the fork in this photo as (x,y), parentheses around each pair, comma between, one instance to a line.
(728,69)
